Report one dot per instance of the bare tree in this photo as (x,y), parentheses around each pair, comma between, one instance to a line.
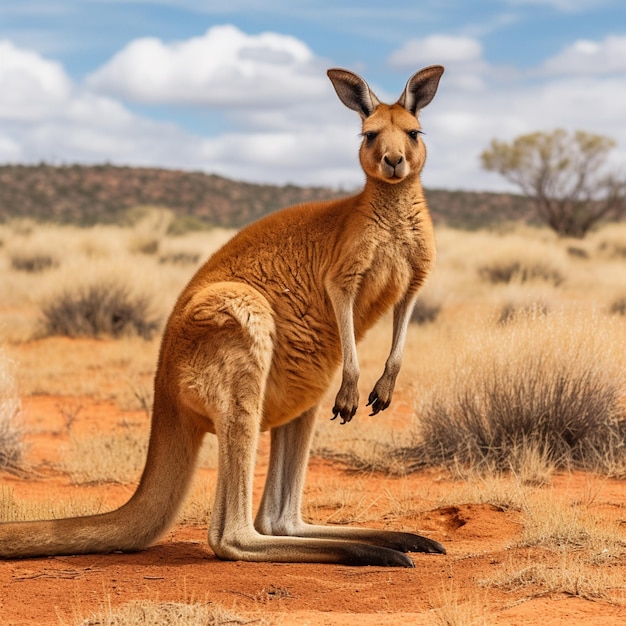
(564,175)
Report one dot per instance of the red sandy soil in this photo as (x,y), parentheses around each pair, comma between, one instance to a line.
(479,538)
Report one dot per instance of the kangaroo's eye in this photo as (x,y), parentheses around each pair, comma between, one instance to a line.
(370,135)
(413,134)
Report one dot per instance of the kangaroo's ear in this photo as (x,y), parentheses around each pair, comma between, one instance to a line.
(421,89)
(353,91)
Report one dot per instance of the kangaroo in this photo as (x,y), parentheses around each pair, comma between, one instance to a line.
(253,343)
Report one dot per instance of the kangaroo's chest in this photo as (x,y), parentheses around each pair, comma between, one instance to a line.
(395,268)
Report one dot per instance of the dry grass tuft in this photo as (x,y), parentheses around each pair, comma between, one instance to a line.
(33,262)
(426,310)
(452,609)
(149,228)
(108,458)
(11,435)
(618,306)
(147,613)
(568,576)
(557,524)
(542,390)
(107,307)
(512,270)
(611,241)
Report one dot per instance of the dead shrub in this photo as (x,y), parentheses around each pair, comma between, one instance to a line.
(510,311)
(425,311)
(506,271)
(104,308)
(539,384)
(618,307)
(180,258)
(109,458)
(33,262)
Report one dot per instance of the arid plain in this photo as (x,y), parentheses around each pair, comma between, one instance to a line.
(513,323)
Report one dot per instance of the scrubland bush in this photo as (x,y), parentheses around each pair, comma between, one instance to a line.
(618,306)
(512,310)
(96,310)
(521,270)
(11,436)
(541,386)
(32,262)
(180,258)
(100,305)
(149,227)
(30,250)
(426,310)
(611,241)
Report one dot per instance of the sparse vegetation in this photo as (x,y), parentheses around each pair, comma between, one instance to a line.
(146,613)
(540,387)
(11,435)
(547,357)
(107,307)
(425,311)
(32,262)
(106,458)
(514,270)
(618,307)
(567,576)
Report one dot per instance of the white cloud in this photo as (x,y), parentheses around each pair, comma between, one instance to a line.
(462,56)
(301,134)
(224,67)
(567,6)
(31,87)
(460,125)
(590,57)
(315,142)
(437,49)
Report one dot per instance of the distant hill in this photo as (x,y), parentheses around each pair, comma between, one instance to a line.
(88,195)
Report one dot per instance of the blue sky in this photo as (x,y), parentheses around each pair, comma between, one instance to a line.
(239,88)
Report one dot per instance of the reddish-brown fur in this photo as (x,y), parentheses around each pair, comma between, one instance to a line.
(253,343)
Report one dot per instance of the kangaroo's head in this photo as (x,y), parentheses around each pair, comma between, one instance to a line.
(392,149)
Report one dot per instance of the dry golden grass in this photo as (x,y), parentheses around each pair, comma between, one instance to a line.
(149,613)
(196,510)
(19,510)
(11,435)
(85,256)
(106,458)
(482,333)
(567,575)
(553,522)
(117,457)
(452,609)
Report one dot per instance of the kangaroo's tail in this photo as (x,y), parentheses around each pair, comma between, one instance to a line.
(174,443)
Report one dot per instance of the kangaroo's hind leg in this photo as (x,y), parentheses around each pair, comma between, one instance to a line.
(280,510)
(232,329)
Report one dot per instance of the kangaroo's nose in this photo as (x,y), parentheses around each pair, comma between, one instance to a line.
(394,160)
